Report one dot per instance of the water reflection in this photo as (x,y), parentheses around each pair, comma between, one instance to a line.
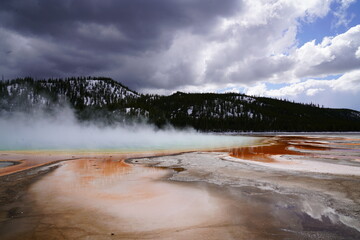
(4,164)
(263,153)
(314,147)
(128,198)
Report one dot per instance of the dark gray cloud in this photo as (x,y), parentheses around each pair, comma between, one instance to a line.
(46,38)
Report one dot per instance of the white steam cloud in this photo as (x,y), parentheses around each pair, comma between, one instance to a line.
(61,131)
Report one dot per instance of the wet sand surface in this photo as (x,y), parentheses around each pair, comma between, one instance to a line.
(23,160)
(290,187)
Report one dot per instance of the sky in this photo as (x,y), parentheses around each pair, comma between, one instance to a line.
(301,50)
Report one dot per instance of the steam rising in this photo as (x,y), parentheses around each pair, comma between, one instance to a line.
(61,131)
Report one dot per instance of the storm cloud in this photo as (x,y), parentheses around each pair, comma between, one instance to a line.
(50,38)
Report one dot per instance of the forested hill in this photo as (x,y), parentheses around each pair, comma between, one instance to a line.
(103,99)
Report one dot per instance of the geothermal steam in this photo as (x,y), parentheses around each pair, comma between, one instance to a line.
(61,131)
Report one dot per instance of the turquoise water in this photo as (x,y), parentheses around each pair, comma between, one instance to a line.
(136,142)
(6,164)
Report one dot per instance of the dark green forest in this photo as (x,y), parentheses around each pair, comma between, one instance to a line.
(105,100)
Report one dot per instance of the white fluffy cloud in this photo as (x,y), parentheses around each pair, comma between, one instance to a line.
(339,92)
(257,44)
(334,55)
(337,55)
(254,45)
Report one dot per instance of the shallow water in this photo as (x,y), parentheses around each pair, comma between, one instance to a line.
(4,164)
(160,143)
(99,197)
(95,199)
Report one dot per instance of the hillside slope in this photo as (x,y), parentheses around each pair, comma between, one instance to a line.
(238,112)
(103,99)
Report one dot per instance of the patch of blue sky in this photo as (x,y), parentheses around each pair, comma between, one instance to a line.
(326,26)
(316,30)
(328,77)
(231,90)
(269,86)
(274,86)
(353,14)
